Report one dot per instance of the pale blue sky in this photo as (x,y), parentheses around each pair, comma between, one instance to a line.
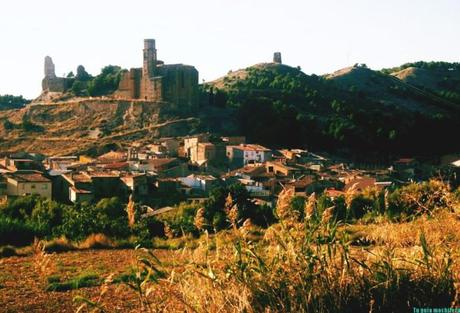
(219,35)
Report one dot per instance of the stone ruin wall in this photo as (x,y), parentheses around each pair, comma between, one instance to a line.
(156,81)
(51,82)
(180,84)
(130,84)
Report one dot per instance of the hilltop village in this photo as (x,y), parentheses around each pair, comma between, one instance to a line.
(162,172)
(173,170)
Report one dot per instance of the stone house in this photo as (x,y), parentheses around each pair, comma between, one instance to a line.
(244,154)
(85,186)
(158,165)
(206,151)
(280,168)
(204,183)
(254,178)
(76,187)
(28,183)
(20,164)
(60,163)
(191,145)
(300,185)
(79,195)
(136,184)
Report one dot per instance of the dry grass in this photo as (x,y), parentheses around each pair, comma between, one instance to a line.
(61,244)
(441,229)
(97,241)
(293,266)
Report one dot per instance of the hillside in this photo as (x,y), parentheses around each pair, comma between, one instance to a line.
(439,78)
(387,90)
(85,125)
(353,111)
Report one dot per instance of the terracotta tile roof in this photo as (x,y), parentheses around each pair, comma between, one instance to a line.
(360,183)
(103,174)
(252,147)
(303,182)
(112,156)
(248,170)
(78,177)
(334,193)
(28,177)
(283,165)
(116,165)
(160,162)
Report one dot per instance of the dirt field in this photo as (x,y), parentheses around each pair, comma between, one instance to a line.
(23,290)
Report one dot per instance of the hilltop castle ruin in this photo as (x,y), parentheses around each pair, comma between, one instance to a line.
(155,81)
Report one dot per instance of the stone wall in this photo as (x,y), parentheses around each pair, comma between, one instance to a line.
(54,84)
(180,84)
(130,84)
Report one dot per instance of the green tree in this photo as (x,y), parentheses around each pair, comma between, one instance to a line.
(79,88)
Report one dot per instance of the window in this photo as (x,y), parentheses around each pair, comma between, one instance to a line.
(32,187)
(44,187)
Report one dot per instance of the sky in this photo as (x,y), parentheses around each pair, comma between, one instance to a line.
(221,35)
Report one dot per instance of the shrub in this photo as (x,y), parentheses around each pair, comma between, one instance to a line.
(360,205)
(418,198)
(15,232)
(219,202)
(21,207)
(7,251)
(106,82)
(107,217)
(147,228)
(46,216)
(181,220)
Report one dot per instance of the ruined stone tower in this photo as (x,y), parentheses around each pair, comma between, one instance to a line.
(49,67)
(150,58)
(277,58)
(50,82)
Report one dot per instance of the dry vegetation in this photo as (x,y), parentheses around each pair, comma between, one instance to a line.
(76,126)
(308,264)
